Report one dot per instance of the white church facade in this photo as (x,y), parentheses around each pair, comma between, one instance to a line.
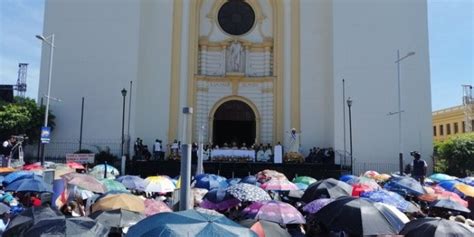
(251,69)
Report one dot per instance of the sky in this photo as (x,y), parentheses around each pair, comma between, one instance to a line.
(451,42)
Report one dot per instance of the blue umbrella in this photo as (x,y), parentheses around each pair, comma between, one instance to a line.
(251,179)
(438,177)
(233,181)
(210,181)
(4,208)
(132,182)
(30,185)
(348,178)
(188,223)
(448,185)
(391,198)
(22,174)
(405,184)
(467,180)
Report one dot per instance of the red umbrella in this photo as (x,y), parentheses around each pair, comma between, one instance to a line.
(32,167)
(75,165)
(358,189)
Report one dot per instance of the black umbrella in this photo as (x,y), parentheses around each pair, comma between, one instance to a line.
(62,226)
(436,227)
(117,218)
(4,208)
(327,188)
(27,218)
(268,228)
(449,204)
(357,216)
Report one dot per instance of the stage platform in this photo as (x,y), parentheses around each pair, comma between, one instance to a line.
(237,169)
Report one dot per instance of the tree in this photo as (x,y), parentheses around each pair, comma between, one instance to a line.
(23,116)
(455,155)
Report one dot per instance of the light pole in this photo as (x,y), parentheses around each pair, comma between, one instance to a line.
(51,47)
(349,104)
(400,108)
(124,94)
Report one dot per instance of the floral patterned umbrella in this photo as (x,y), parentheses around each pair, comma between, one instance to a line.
(274,211)
(153,207)
(316,205)
(266,175)
(279,184)
(248,192)
(219,199)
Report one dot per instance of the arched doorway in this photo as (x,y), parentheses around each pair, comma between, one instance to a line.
(234,121)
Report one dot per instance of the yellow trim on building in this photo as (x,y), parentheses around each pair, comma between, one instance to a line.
(445,121)
(278,65)
(175,70)
(295,65)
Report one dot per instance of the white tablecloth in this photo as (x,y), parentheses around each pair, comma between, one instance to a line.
(233,153)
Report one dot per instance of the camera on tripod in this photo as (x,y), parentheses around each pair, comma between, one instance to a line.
(20,138)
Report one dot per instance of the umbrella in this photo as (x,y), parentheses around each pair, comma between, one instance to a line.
(466,180)
(465,189)
(274,211)
(118,218)
(327,188)
(394,216)
(33,166)
(265,228)
(304,180)
(357,216)
(62,226)
(382,177)
(405,184)
(301,186)
(248,192)
(251,179)
(29,185)
(279,184)
(198,194)
(159,184)
(102,167)
(7,169)
(371,174)
(358,189)
(233,181)
(316,205)
(17,175)
(266,175)
(443,194)
(392,198)
(4,208)
(132,182)
(188,223)
(153,207)
(219,199)
(436,227)
(368,182)
(61,170)
(75,165)
(85,181)
(210,181)
(347,178)
(449,204)
(438,177)
(120,201)
(21,222)
(449,185)
(112,185)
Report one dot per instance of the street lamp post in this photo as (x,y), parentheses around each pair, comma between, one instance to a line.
(399,112)
(51,47)
(124,94)
(349,104)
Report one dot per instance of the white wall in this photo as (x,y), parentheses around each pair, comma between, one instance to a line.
(154,71)
(95,57)
(366,37)
(316,74)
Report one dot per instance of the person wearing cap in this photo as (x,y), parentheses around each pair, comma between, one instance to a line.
(418,167)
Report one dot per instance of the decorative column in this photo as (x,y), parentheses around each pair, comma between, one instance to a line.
(204,59)
(267,58)
(224,59)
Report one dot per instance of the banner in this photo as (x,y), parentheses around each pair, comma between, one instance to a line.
(81,158)
(45,134)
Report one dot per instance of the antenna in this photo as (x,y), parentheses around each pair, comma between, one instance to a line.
(21,81)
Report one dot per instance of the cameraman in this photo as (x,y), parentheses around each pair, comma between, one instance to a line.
(418,167)
(7,147)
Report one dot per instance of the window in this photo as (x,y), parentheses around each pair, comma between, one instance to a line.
(448,129)
(441,130)
(456,130)
(463,127)
(434,131)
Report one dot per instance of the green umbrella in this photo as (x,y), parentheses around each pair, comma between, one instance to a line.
(112,185)
(304,180)
(188,223)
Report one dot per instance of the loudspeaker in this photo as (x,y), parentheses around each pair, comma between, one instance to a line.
(6,93)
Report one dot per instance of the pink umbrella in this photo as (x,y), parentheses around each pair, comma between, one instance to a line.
(84,181)
(443,194)
(153,207)
(279,184)
(274,211)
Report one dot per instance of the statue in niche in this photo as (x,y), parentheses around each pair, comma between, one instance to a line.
(234,57)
